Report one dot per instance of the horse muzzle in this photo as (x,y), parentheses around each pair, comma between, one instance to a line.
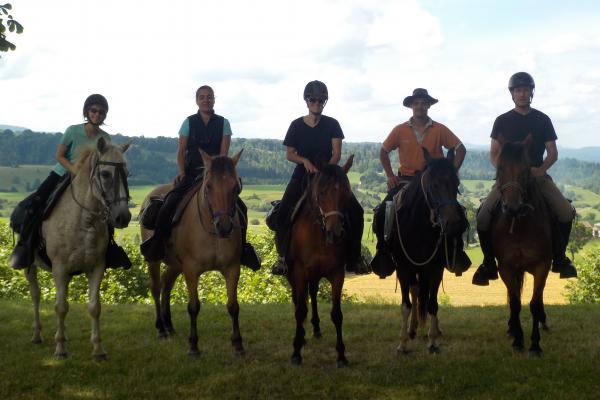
(335,234)
(121,219)
(223,226)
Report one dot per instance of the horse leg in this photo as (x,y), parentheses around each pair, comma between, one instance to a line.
(94,310)
(536,307)
(191,281)
(169,277)
(231,281)
(154,272)
(34,289)
(301,310)
(513,286)
(406,308)
(337,317)
(61,307)
(432,309)
(313,289)
(414,317)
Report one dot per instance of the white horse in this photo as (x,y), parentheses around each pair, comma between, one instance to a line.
(76,235)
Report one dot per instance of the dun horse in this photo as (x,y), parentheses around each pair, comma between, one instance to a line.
(76,235)
(429,214)
(521,240)
(206,238)
(318,249)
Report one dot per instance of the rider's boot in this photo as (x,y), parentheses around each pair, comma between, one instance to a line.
(249,258)
(116,257)
(21,256)
(561,263)
(458,259)
(280,267)
(487,270)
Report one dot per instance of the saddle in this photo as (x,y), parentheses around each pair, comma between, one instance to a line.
(272,215)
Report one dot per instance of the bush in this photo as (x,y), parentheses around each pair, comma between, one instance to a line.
(132,286)
(586,289)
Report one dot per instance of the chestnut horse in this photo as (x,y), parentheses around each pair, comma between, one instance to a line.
(318,249)
(207,238)
(421,245)
(521,239)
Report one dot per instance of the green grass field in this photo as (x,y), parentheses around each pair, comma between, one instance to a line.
(476,360)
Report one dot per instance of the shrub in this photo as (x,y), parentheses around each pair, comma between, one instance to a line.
(586,289)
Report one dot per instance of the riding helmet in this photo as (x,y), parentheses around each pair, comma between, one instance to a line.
(94,99)
(520,79)
(316,89)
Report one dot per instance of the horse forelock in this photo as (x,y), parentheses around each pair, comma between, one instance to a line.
(111,152)
(329,176)
(513,160)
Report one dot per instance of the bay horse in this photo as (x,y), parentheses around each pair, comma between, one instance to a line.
(429,214)
(318,249)
(206,238)
(76,235)
(522,239)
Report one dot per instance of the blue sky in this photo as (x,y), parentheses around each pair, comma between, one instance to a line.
(148,57)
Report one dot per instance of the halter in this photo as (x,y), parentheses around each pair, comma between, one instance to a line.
(120,176)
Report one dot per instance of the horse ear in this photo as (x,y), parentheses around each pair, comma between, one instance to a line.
(101,145)
(236,158)
(348,163)
(450,155)
(207,159)
(426,155)
(126,146)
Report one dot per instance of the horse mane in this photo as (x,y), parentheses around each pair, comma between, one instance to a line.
(85,154)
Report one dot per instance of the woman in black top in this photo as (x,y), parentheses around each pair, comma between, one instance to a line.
(312,139)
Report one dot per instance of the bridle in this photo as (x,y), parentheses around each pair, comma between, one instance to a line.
(95,181)
(322,216)
(215,214)
(524,207)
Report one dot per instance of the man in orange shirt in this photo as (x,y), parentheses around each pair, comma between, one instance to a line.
(409,138)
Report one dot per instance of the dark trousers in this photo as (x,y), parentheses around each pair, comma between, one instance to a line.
(35,204)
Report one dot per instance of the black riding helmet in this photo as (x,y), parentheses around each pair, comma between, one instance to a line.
(520,79)
(316,89)
(94,99)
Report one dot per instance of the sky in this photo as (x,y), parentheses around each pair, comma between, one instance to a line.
(149,57)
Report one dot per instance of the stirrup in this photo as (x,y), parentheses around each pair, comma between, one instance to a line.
(250,258)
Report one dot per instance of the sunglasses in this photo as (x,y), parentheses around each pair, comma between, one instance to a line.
(100,111)
(316,100)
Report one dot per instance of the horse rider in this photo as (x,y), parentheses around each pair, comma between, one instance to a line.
(75,138)
(211,133)
(309,140)
(420,131)
(513,126)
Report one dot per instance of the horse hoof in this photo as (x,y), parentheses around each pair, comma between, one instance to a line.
(36,340)
(535,353)
(296,360)
(433,349)
(341,363)
(194,353)
(545,327)
(317,334)
(100,357)
(412,335)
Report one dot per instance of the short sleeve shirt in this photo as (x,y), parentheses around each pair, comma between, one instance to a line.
(185,128)
(75,139)
(313,143)
(410,154)
(515,127)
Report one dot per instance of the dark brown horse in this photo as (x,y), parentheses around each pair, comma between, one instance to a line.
(521,237)
(318,249)
(421,244)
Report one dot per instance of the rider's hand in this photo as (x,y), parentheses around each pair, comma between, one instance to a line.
(310,168)
(179,177)
(537,172)
(393,181)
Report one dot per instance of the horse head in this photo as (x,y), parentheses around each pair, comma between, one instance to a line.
(439,182)
(513,175)
(220,190)
(108,178)
(330,193)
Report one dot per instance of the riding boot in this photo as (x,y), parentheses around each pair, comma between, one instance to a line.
(356,223)
(22,255)
(116,257)
(382,263)
(458,260)
(487,270)
(153,248)
(561,263)
(249,258)
(281,243)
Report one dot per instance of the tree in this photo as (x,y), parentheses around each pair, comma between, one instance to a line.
(11,25)
(579,237)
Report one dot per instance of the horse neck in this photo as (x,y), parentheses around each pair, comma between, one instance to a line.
(81,187)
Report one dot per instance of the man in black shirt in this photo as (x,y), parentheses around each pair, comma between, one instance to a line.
(312,139)
(515,126)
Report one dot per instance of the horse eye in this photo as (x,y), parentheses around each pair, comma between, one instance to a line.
(105,174)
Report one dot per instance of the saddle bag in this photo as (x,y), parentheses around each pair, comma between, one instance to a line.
(271,219)
(150,213)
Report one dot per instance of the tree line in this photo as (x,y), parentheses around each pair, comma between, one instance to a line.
(152,160)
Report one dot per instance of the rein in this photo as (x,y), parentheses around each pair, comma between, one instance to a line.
(214,214)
